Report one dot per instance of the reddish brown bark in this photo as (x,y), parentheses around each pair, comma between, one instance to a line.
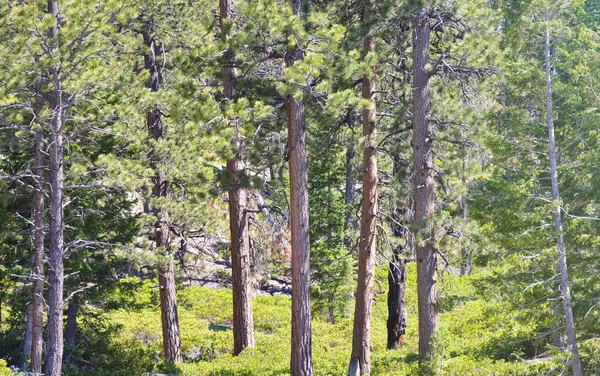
(243,325)
(361,334)
(301,359)
(423,137)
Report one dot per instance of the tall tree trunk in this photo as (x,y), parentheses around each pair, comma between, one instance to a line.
(301,359)
(361,333)
(423,137)
(71,328)
(243,326)
(562,261)
(162,188)
(56,273)
(37,313)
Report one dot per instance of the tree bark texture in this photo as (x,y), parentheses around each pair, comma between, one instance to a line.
(565,288)
(361,333)
(37,308)
(424,185)
(168,311)
(243,325)
(54,354)
(162,188)
(301,357)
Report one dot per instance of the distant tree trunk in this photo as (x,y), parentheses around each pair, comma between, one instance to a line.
(56,273)
(71,328)
(562,261)
(162,188)
(301,359)
(423,137)
(26,354)
(37,308)
(465,257)
(243,326)
(349,194)
(361,333)
(397,314)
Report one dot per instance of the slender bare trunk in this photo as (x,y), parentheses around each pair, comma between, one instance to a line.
(71,329)
(162,188)
(397,313)
(562,261)
(243,326)
(349,194)
(465,257)
(423,137)
(26,354)
(38,235)
(301,359)
(56,273)
(361,334)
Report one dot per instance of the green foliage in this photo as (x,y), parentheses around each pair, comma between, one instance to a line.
(479,335)
(4,370)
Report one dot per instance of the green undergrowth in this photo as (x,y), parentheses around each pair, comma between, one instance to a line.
(477,336)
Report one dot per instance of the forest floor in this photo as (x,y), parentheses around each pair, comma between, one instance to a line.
(477,336)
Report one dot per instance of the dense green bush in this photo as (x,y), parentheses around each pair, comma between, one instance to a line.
(4,370)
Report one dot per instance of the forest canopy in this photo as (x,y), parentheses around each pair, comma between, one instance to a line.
(304,187)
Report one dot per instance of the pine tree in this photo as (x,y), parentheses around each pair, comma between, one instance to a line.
(301,359)
(243,327)
(361,335)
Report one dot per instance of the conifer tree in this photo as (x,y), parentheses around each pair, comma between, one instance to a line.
(243,327)
(161,189)
(301,358)
(361,335)
(424,190)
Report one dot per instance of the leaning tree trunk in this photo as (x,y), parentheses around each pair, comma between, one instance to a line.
(162,189)
(56,273)
(301,359)
(361,333)
(423,137)
(562,260)
(243,326)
